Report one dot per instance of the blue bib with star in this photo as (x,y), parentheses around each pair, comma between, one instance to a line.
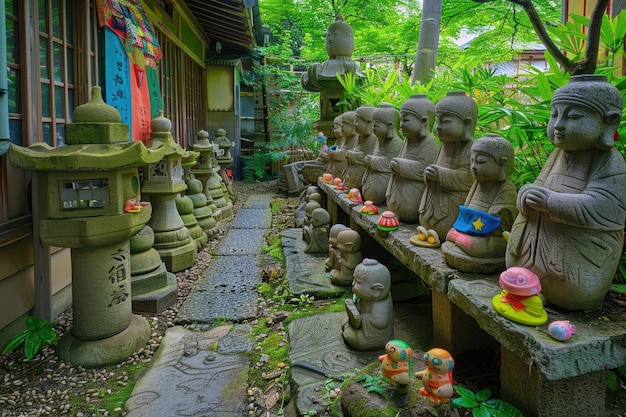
(475,222)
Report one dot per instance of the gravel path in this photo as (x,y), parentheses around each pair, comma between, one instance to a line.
(47,386)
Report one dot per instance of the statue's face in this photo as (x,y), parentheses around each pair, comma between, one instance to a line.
(574,127)
(449,128)
(339,41)
(410,124)
(484,167)
(348,129)
(362,286)
(380,129)
(362,127)
(337,129)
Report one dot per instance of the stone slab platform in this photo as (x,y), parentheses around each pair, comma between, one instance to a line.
(317,340)
(190,377)
(305,271)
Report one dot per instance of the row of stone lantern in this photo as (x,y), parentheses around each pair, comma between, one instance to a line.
(124,251)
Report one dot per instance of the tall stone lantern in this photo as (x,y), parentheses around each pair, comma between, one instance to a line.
(163,181)
(88,183)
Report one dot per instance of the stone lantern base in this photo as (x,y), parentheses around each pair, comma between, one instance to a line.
(103,352)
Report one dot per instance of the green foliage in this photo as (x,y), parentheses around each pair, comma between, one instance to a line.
(37,331)
(371,383)
(481,405)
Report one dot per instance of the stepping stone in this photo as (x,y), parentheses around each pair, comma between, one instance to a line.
(305,271)
(241,242)
(227,291)
(187,378)
(252,219)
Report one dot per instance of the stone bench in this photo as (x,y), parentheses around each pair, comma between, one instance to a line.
(539,375)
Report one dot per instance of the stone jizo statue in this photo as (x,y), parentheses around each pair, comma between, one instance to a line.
(338,161)
(419,150)
(449,179)
(370,317)
(349,247)
(317,231)
(333,252)
(476,242)
(378,172)
(570,227)
(365,145)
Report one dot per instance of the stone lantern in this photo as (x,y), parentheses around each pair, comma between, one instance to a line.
(163,181)
(88,183)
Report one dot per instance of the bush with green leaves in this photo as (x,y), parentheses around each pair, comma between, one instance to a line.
(481,405)
(37,331)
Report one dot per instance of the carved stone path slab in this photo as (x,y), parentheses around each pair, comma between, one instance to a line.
(305,271)
(190,378)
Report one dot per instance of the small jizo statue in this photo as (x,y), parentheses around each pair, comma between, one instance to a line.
(477,240)
(570,227)
(365,145)
(449,179)
(370,317)
(349,247)
(338,157)
(378,172)
(406,186)
(317,231)
(333,252)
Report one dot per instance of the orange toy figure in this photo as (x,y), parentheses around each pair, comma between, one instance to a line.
(397,366)
(437,378)
(132,206)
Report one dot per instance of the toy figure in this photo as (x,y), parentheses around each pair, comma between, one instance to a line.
(349,247)
(333,253)
(519,300)
(449,179)
(570,227)
(397,367)
(132,206)
(323,141)
(388,222)
(437,377)
(368,208)
(370,318)
(377,174)
(354,195)
(477,240)
(561,330)
(327,178)
(406,185)
(366,142)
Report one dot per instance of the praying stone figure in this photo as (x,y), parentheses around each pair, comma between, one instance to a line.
(376,178)
(365,145)
(476,242)
(349,247)
(570,227)
(317,232)
(449,179)
(311,193)
(419,150)
(338,159)
(333,253)
(370,318)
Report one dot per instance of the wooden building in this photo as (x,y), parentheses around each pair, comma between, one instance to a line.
(185,57)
